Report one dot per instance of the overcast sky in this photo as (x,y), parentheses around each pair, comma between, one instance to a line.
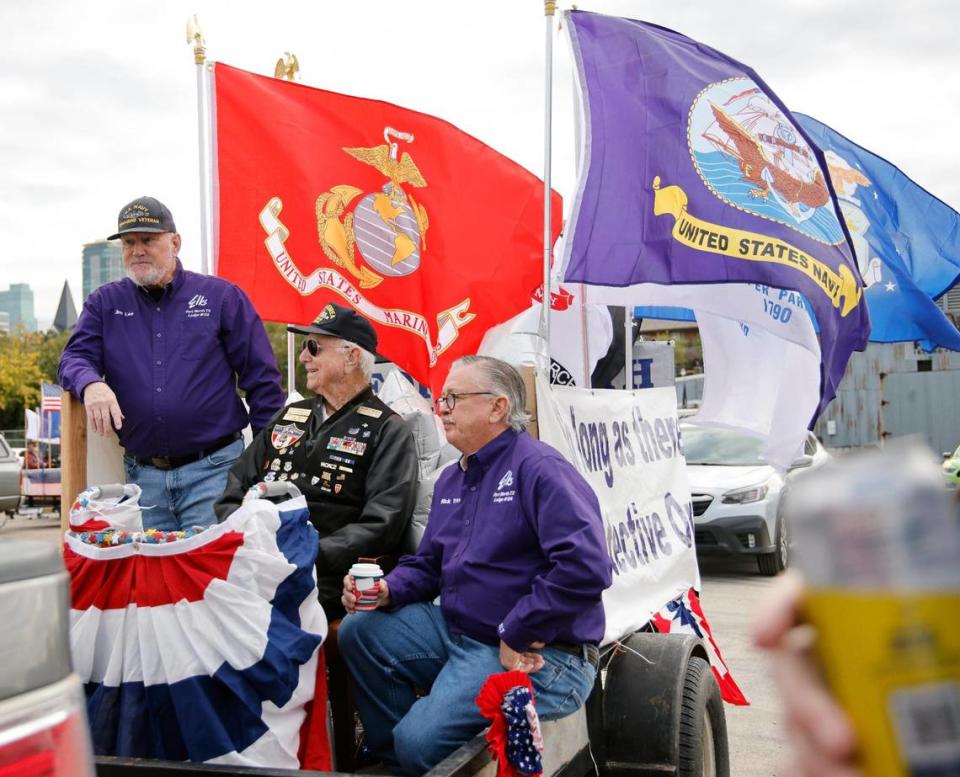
(98,99)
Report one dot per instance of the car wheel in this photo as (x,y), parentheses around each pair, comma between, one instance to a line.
(703,728)
(774,563)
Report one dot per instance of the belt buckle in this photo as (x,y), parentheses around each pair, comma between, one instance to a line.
(160,462)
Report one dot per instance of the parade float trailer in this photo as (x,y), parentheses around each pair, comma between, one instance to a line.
(656,706)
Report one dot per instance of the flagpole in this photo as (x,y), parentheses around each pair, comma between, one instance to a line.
(288,69)
(549,8)
(195,36)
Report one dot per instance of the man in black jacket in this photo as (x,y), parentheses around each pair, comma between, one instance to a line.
(352,456)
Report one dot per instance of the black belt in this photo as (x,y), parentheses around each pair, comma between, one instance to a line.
(586,651)
(172,462)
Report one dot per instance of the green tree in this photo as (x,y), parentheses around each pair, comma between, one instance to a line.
(277,333)
(50,347)
(20,376)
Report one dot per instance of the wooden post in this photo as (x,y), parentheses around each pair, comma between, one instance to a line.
(528,374)
(73,455)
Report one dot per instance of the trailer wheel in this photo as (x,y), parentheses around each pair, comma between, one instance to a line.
(703,727)
(655,703)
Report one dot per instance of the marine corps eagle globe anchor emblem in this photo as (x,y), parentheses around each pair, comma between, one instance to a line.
(388,227)
(378,236)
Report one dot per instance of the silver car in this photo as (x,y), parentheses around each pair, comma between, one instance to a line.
(9,480)
(738,497)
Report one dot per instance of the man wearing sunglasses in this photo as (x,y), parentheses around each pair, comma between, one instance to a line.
(352,456)
(515,551)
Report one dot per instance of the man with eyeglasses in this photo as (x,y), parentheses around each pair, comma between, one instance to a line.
(353,457)
(515,551)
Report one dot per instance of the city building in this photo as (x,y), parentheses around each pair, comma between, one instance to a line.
(102,263)
(66,316)
(17,302)
(4,322)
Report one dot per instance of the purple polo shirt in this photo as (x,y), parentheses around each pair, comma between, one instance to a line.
(175,363)
(514,547)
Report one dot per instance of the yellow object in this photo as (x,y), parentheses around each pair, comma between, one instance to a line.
(893,659)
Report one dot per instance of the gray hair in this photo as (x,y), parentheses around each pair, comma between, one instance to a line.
(366,359)
(504,380)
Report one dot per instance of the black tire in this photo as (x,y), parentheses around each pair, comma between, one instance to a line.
(703,727)
(771,564)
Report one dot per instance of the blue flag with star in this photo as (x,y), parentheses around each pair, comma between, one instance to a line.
(907,244)
(907,241)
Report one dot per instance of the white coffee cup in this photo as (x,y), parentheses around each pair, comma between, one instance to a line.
(366,585)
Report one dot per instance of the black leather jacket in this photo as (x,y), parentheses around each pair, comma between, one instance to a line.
(357,469)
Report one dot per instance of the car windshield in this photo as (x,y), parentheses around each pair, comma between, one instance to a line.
(721,447)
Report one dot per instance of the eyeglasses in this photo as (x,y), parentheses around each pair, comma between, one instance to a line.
(450,398)
(314,347)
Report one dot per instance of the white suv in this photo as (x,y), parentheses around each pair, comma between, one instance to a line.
(738,498)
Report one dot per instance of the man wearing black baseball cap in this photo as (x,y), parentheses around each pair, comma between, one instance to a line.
(157,357)
(352,456)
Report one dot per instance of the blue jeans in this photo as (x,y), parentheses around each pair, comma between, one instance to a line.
(182,497)
(391,654)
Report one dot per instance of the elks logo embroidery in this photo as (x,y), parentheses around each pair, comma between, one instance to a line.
(197,300)
(506,481)
(285,436)
(372,237)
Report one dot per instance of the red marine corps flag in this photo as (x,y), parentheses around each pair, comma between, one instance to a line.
(321,197)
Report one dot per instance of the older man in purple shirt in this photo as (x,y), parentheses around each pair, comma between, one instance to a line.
(158,357)
(515,551)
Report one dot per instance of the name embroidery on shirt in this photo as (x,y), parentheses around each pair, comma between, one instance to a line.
(450,501)
(124,313)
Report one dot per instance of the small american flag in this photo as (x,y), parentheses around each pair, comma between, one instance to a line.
(50,397)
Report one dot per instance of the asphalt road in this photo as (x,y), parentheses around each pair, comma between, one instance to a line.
(758,743)
(730,594)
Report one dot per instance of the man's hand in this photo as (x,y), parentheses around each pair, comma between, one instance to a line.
(529,661)
(820,731)
(103,410)
(349,599)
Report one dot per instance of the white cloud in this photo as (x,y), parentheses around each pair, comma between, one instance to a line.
(97,99)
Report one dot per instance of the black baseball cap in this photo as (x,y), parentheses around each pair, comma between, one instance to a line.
(343,322)
(144,214)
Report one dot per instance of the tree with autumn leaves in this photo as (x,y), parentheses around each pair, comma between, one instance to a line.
(26,360)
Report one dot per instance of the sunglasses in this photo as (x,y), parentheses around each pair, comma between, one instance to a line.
(314,347)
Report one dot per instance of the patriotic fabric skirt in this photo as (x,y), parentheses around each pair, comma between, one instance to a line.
(203,649)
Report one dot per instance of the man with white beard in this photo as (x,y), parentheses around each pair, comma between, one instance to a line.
(158,357)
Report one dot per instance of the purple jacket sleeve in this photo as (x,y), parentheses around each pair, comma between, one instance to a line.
(566,515)
(81,362)
(416,578)
(251,357)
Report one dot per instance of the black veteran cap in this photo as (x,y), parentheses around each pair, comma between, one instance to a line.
(343,322)
(144,214)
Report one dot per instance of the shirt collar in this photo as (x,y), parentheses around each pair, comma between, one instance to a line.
(492,450)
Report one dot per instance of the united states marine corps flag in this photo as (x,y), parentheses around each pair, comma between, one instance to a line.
(322,197)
